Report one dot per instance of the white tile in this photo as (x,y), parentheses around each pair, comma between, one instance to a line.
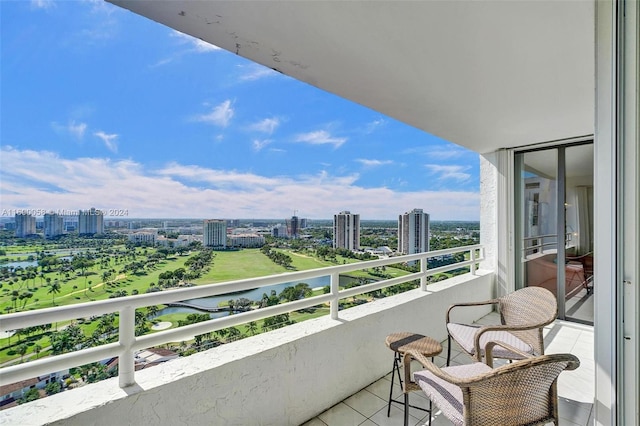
(418,399)
(342,415)
(381,389)
(365,403)
(437,420)
(396,417)
(574,412)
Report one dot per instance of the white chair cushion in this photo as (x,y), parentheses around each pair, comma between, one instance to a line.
(447,396)
(464,335)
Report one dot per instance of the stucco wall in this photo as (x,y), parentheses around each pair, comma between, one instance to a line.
(283,377)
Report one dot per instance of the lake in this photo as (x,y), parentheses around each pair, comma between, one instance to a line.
(255,295)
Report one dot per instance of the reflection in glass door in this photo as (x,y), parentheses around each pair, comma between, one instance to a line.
(554,226)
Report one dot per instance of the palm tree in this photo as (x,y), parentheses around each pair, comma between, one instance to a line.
(152,311)
(252,327)
(234,333)
(36,350)
(22,349)
(53,289)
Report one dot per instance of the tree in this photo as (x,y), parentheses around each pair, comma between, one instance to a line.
(25,296)
(106,275)
(253,328)
(300,291)
(37,349)
(53,388)
(82,263)
(22,349)
(152,311)
(31,395)
(234,333)
(66,340)
(141,323)
(53,289)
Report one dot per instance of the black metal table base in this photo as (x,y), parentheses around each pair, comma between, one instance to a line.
(397,362)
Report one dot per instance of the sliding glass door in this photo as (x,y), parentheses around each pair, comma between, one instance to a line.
(554,225)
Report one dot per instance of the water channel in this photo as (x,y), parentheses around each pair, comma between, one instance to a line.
(254,295)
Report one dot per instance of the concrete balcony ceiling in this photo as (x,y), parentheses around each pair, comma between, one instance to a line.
(481,74)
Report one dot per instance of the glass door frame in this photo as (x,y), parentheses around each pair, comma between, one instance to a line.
(560,213)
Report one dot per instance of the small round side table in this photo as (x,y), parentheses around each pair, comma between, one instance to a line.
(400,343)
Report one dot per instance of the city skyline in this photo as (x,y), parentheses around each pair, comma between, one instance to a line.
(104,108)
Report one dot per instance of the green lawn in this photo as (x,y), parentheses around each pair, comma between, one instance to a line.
(72,289)
(226,266)
(235,265)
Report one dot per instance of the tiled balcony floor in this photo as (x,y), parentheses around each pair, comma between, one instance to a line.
(575,388)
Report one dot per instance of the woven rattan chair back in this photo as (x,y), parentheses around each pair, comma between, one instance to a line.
(521,393)
(529,306)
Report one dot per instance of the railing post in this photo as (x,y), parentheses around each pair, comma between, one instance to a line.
(424,265)
(335,302)
(126,363)
(473,261)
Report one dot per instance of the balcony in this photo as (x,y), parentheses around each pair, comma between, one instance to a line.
(286,376)
(575,388)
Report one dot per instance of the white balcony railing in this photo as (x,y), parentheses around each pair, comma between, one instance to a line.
(128,343)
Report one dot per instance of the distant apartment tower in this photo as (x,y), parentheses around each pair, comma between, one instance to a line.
(233,223)
(279,231)
(413,232)
(215,233)
(53,225)
(25,225)
(293,227)
(346,230)
(90,222)
(143,237)
(246,240)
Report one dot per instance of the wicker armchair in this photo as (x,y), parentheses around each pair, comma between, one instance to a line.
(523,315)
(520,393)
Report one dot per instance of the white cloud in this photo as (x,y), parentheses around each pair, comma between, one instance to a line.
(199,46)
(256,72)
(74,129)
(268,125)
(220,115)
(177,190)
(373,163)
(77,130)
(439,152)
(42,4)
(320,137)
(452,172)
(259,144)
(109,140)
(374,125)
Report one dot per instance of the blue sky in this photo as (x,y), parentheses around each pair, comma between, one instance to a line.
(104,108)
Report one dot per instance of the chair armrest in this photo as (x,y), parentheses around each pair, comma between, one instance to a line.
(437,371)
(427,364)
(467,304)
(499,327)
(492,343)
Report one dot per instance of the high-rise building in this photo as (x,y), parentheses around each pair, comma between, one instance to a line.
(25,225)
(233,223)
(293,227)
(215,233)
(346,230)
(53,225)
(90,222)
(279,231)
(413,232)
